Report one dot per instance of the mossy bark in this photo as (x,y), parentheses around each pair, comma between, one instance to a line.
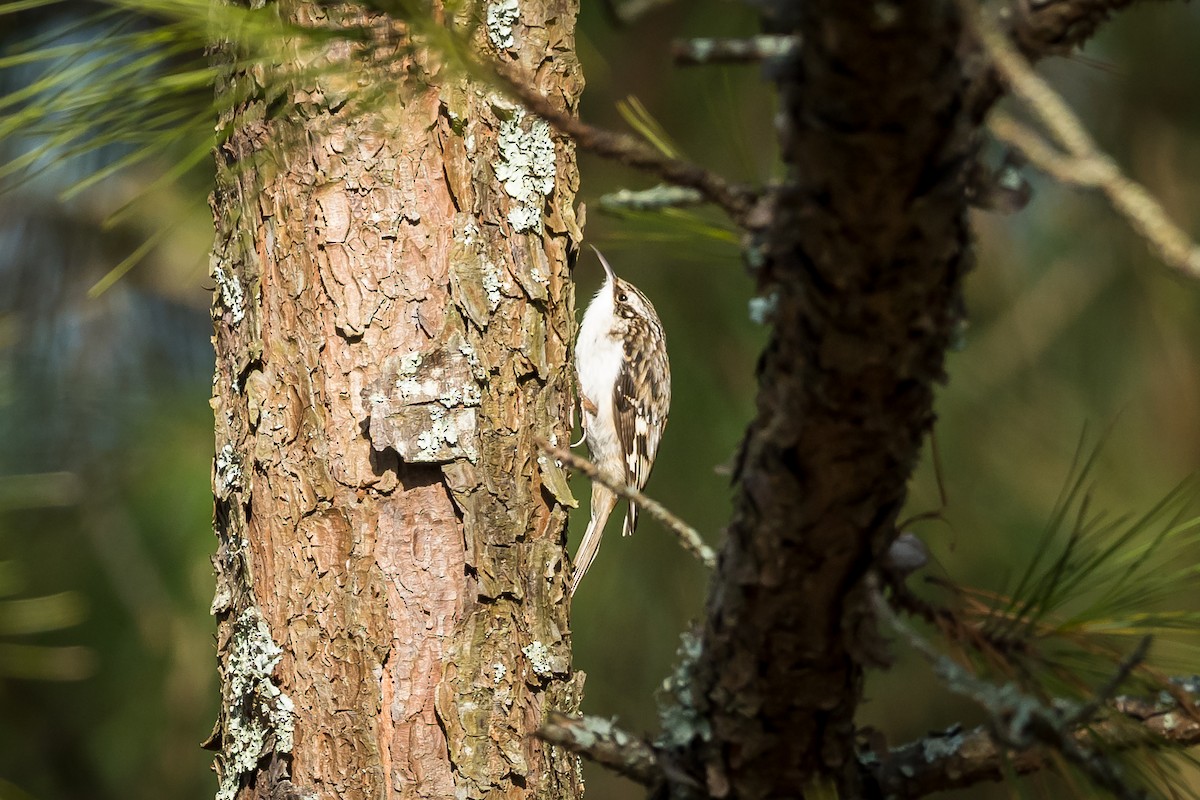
(393,316)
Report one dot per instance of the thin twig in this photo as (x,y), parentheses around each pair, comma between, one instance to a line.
(1109,690)
(1083,164)
(688,536)
(956,759)
(601,741)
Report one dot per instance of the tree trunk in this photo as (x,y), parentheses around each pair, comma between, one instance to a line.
(864,253)
(393,315)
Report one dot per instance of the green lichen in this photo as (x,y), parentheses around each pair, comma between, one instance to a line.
(679,715)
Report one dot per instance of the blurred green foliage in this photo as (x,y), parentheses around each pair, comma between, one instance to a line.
(1072,324)
(22,617)
(118,706)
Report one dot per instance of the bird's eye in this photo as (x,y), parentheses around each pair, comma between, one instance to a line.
(622,297)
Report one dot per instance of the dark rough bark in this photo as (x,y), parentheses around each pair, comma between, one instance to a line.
(1055,26)
(864,251)
(392,319)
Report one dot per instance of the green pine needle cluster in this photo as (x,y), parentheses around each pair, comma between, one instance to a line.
(1097,584)
(1104,607)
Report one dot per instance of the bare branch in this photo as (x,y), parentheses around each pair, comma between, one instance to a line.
(951,759)
(601,741)
(748,50)
(736,200)
(955,759)
(1083,164)
(688,536)
(1037,28)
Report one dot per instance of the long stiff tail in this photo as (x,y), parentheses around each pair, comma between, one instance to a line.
(603,502)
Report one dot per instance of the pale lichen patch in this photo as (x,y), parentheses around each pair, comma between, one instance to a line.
(478,284)
(469,232)
(501,16)
(443,433)
(539,658)
(232,295)
(538,275)
(679,712)
(491,283)
(936,748)
(257,716)
(762,309)
(410,362)
(228,471)
(466,395)
(526,169)
(468,352)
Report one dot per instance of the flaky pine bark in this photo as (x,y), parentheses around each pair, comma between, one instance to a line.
(392,320)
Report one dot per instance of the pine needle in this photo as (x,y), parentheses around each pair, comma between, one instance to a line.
(641,120)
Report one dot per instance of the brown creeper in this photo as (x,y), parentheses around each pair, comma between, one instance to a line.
(625,393)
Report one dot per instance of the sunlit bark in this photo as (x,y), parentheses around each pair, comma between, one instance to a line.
(392,315)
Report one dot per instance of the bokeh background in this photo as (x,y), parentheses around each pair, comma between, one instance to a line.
(107,670)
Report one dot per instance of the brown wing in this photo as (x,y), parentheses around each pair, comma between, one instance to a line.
(641,400)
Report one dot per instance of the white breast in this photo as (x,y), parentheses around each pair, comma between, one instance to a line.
(598,358)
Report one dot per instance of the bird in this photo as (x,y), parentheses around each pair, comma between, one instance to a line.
(624,380)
